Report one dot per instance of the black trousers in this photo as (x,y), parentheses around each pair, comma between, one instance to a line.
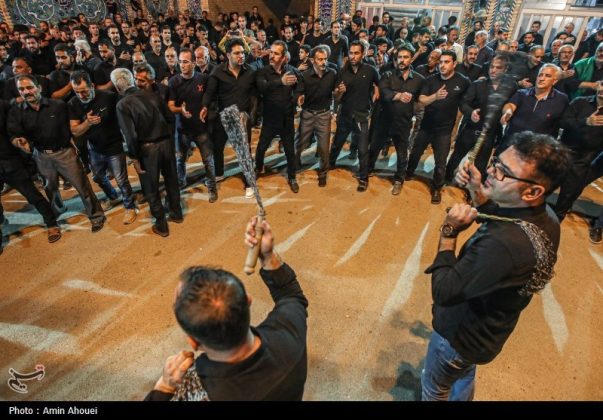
(575,181)
(345,125)
(159,159)
(440,142)
(14,173)
(464,143)
(287,133)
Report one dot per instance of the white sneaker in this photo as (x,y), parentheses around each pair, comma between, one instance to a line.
(249,192)
(130,216)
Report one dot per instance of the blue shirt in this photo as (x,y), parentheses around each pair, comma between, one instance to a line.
(540,116)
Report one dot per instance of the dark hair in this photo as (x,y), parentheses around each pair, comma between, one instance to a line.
(451,53)
(502,57)
(281,44)
(357,43)
(319,48)
(212,307)
(63,47)
(145,68)
(187,50)
(29,77)
(381,40)
(232,42)
(551,158)
(406,46)
(78,76)
(382,27)
(107,44)
(305,47)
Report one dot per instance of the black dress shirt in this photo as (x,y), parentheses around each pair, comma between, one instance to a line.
(317,91)
(46,128)
(231,90)
(141,117)
(577,134)
(277,99)
(357,98)
(392,83)
(473,72)
(476,295)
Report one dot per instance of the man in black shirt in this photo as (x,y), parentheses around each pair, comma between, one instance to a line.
(276,83)
(185,92)
(92,117)
(42,60)
(441,95)
(315,38)
(468,68)
(357,89)
(400,90)
(338,44)
(238,362)
(102,72)
(479,294)
(141,117)
(315,96)
(583,134)
(43,124)
(474,107)
(13,173)
(231,83)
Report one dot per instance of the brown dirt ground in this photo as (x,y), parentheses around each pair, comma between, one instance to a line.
(96,309)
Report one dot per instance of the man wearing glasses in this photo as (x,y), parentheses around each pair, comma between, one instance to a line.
(479,293)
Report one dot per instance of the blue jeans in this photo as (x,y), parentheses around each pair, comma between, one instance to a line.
(183,145)
(446,375)
(99,163)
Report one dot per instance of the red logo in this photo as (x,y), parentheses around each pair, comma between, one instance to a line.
(200,88)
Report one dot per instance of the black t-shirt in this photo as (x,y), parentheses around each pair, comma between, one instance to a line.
(105,137)
(359,88)
(441,114)
(190,91)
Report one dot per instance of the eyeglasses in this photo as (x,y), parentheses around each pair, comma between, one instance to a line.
(501,172)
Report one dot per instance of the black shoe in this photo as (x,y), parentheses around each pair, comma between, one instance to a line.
(6,189)
(294,185)
(213,195)
(322,181)
(409,176)
(98,224)
(362,186)
(176,219)
(67,185)
(436,196)
(595,235)
(353,154)
(397,188)
(158,231)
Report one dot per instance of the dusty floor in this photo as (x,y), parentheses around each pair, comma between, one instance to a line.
(95,310)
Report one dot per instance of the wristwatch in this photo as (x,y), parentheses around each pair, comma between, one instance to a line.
(449,231)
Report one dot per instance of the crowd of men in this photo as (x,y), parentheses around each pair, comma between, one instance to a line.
(85,98)
(402,83)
